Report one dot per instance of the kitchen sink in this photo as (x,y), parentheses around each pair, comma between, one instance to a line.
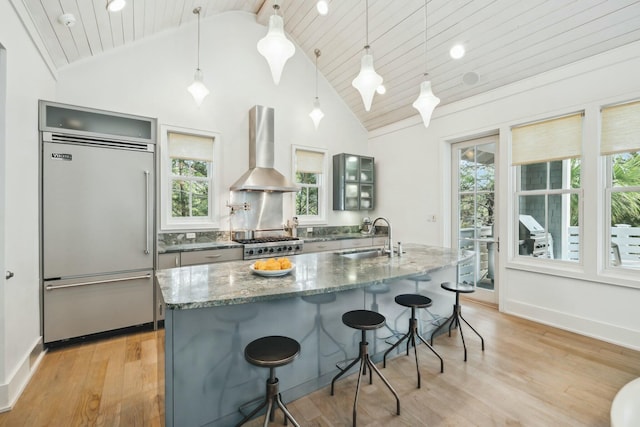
(368,253)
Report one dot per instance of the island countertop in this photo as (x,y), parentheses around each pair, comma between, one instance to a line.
(233,282)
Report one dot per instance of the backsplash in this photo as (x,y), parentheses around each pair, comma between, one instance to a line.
(169,239)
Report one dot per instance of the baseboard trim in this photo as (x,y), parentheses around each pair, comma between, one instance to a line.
(613,334)
(13,388)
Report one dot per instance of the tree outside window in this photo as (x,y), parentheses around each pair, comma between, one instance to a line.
(310,171)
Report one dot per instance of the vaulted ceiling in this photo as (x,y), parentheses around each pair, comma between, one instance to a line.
(505,40)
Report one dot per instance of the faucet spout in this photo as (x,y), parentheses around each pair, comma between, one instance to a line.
(390,234)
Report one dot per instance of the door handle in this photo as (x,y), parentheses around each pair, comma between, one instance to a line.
(8,275)
(146,211)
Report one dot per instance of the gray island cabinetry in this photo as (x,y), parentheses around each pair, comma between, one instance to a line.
(215,310)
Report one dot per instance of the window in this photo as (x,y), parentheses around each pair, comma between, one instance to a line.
(188,179)
(548,189)
(620,146)
(310,169)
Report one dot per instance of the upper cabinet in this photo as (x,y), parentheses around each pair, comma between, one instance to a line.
(353,182)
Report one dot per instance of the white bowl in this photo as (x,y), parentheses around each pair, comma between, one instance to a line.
(272,273)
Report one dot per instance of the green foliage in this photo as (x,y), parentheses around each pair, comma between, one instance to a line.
(307,197)
(190,195)
(625,206)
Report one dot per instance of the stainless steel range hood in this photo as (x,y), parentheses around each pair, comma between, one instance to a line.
(261,175)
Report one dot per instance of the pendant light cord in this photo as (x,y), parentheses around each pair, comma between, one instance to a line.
(426,68)
(197,12)
(317,52)
(366,13)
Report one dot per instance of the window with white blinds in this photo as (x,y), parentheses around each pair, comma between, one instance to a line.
(188,178)
(547,158)
(620,146)
(310,174)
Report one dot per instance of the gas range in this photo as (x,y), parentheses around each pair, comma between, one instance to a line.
(266,247)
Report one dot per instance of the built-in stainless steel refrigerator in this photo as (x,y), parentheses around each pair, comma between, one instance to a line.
(97,221)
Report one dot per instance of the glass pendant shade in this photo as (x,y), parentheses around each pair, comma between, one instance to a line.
(316,114)
(367,81)
(426,102)
(197,89)
(275,47)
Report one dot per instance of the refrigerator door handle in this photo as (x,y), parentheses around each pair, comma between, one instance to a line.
(146,210)
(97,282)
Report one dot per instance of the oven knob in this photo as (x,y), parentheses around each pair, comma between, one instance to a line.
(259,251)
(250,252)
(270,250)
(289,248)
(279,249)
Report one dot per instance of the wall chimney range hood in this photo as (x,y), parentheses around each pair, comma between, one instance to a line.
(261,175)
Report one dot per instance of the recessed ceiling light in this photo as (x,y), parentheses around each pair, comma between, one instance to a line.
(323,7)
(457,51)
(116,5)
(381,90)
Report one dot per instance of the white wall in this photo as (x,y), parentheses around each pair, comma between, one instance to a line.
(417,163)
(28,79)
(150,78)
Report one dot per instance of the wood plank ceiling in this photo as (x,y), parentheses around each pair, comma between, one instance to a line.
(506,40)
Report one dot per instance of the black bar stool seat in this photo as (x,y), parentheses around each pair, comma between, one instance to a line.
(413,301)
(364,320)
(454,319)
(271,352)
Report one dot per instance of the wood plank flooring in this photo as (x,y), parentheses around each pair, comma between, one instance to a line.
(529,375)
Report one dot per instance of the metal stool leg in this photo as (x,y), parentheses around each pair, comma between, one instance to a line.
(473,329)
(454,322)
(411,339)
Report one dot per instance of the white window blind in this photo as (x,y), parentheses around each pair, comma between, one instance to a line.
(554,139)
(193,147)
(620,128)
(309,161)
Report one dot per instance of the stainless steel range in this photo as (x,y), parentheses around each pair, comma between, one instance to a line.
(267,247)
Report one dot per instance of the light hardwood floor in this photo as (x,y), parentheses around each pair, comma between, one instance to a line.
(529,375)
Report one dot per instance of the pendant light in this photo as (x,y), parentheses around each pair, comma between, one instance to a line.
(426,101)
(316,114)
(275,46)
(367,81)
(116,5)
(197,89)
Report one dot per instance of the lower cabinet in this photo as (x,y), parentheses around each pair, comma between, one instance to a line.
(210,256)
(169,260)
(329,245)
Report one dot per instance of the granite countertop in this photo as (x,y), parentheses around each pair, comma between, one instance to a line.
(233,282)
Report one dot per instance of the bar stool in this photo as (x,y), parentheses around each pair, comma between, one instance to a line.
(413,301)
(454,319)
(435,319)
(271,352)
(364,320)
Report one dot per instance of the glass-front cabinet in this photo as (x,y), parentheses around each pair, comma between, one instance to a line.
(353,182)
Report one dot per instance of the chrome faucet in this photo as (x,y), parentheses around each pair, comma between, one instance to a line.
(390,235)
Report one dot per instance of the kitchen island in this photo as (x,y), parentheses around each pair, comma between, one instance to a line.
(214,310)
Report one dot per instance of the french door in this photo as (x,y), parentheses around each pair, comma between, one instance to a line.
(474,222)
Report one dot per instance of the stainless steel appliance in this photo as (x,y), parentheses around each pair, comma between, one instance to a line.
(534,239)
(274,246)
(262,176)
(97,220)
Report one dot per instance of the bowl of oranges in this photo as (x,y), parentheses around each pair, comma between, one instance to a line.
(273,267)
